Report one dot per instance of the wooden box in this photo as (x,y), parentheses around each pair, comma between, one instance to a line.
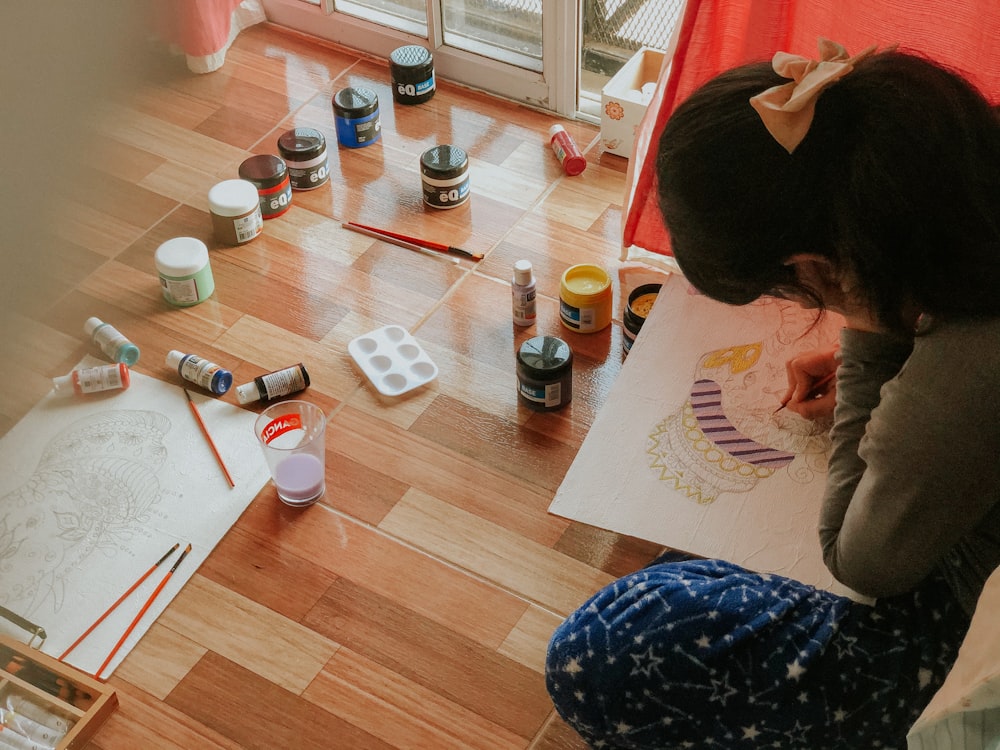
(40,694)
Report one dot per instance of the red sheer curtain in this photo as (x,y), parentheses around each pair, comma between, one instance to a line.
(203,29)
(719,34)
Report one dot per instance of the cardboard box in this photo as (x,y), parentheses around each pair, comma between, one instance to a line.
(623,101)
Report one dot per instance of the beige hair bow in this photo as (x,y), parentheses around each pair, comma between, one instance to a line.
(787,110)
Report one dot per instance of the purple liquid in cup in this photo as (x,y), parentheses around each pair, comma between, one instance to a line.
(300,479)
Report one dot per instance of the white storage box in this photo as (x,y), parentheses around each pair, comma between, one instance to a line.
(624,100)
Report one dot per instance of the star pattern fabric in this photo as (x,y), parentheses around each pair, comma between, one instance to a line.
(692,653)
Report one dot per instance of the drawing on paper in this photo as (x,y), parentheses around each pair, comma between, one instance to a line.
(93,489)
(726,437)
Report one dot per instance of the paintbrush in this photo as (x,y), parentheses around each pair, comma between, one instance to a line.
(145,608)
(120,599)
(429,244)
(397,243)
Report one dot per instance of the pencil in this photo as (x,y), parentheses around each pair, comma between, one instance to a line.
(145,607)
(815,392)
(429,244)
(120,599)
(211,443)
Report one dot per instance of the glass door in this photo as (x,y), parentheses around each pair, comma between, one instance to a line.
(524,50)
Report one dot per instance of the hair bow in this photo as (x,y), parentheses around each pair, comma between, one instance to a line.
(787,110)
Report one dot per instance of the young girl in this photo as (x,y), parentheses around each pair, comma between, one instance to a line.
(869,186)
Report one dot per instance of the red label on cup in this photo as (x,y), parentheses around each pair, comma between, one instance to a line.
(280,425)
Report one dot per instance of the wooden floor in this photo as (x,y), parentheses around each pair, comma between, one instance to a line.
(412,607)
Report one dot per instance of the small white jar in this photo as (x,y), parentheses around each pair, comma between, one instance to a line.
(235,207)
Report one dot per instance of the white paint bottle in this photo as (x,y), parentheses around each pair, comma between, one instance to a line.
(522,291)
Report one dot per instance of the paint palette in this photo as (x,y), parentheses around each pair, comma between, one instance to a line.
(392,360)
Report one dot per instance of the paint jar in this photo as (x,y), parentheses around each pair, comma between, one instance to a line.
(412,70)
(92,380)
(444,172)
(566,150)
(545,373)
(585,298)
(356,115)
(111,341)
(304,152)
(235,208)
(200,371)
(640,302)
(274,385)
(184,270)
(522,292)
(269,174)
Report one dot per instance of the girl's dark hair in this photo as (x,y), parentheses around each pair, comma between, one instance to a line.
(897,183)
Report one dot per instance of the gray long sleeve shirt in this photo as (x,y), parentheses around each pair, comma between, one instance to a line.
(914,480)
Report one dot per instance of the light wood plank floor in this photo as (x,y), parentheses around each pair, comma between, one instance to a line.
(412,607)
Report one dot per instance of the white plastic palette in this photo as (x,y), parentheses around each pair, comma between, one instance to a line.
(392,360)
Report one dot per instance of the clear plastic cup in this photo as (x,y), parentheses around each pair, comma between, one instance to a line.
(291,434)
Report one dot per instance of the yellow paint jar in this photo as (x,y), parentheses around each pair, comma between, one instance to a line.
(585,298)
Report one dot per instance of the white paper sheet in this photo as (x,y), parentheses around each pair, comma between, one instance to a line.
(95,489)
(710,468)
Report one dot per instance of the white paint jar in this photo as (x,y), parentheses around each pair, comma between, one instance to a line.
(185,272)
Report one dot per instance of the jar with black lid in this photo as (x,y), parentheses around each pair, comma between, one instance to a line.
(444,172)
(270,174)
(412,70)
(304,152)
(545,373)
(357,117)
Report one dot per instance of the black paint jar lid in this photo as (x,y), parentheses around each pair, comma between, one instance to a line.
(264,170)
(544,357)
(411,59)
(354,103)
(301,144)
(443,162)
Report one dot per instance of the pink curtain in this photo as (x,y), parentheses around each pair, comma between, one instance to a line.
(204,29)
(716,35)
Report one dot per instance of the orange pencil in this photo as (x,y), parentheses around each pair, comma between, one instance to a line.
(120,599)
(142,611)
(211,443)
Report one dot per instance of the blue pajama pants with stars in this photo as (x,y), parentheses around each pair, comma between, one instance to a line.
(705,654)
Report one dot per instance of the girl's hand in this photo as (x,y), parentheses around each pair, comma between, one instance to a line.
(812,383)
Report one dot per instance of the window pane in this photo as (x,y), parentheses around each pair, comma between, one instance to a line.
(612,31)
(405,15)
(508,30)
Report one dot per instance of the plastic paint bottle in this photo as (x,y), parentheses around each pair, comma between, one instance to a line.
(304,152)
(200,371)
(93,380)
(269,174)
(185,273)
(545,373)
(111,341)
(357,117)
(522,290)
(444,172)
(640,302)
(585,298)
(235,208)
(412,70)
(274,385)
(566,150)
